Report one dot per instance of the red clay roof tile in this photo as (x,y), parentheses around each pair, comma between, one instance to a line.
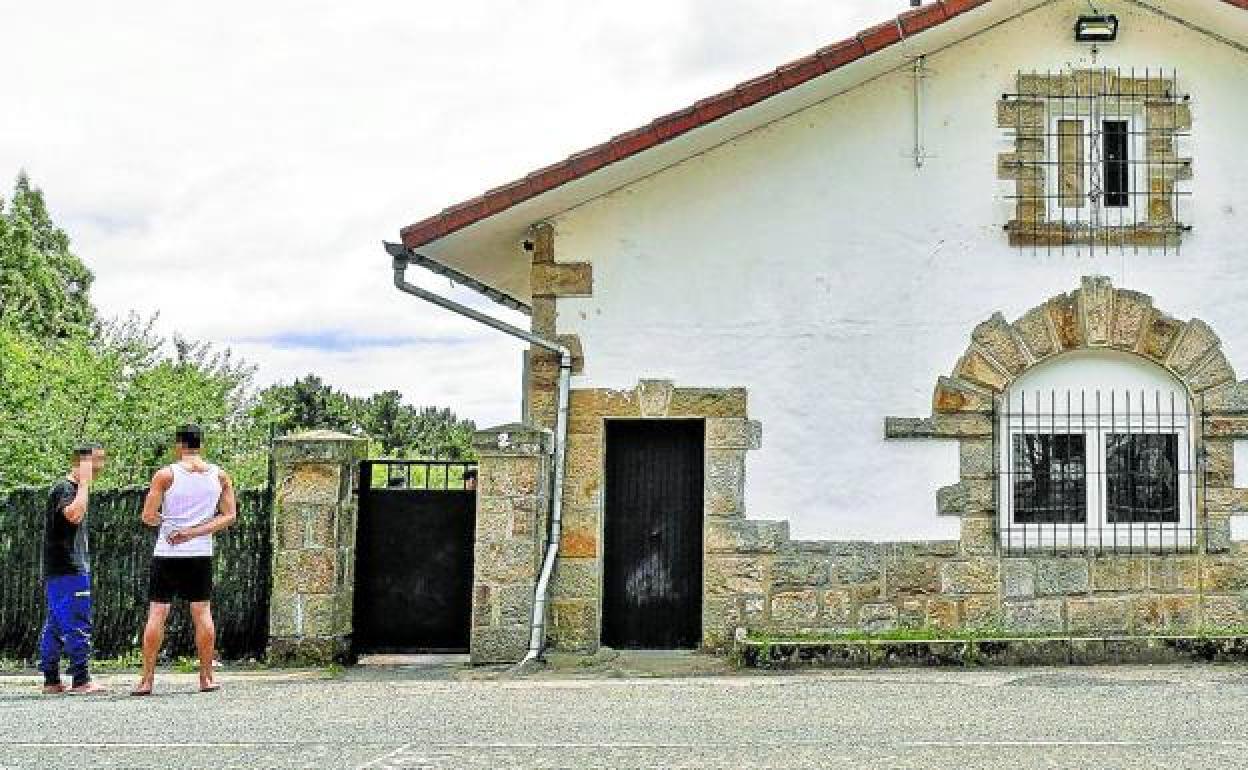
(880,36)
(705,111)
(921,18)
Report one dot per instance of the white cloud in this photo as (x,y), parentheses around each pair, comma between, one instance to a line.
(236,165)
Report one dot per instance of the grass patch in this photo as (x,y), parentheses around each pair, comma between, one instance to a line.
(124,662)
(333,671)
(184,664)
(892,635)
(129,660)
(768,638)
(133,660)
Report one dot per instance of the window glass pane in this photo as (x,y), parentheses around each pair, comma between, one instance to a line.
(1117,163)
(1142,478)
(1050,479)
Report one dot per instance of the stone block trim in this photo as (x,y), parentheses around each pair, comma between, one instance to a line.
(1025,116)
(314,517)
(542,238)
(956,395)
(550,278)
(563,279)
(948,426)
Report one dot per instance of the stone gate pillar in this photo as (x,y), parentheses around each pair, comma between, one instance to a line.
(513,492)
(314,515)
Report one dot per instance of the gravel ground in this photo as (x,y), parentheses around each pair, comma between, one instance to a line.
(627,716)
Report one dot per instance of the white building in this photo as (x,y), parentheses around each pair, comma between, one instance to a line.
(811,252)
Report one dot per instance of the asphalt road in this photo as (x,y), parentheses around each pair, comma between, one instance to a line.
(1018,718)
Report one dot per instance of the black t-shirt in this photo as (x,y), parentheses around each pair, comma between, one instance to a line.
(64,543)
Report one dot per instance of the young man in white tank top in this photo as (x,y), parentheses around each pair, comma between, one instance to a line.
(189,501)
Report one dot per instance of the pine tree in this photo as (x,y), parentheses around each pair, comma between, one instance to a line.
(44,287)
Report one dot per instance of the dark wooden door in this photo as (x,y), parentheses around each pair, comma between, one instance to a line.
(413,574)
(652,593)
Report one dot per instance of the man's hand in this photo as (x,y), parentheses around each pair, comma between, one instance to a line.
(86,470)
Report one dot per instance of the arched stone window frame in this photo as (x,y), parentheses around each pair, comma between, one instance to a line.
(1095,316)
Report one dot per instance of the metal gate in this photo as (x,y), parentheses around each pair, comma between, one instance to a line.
(653,534)
(413,574)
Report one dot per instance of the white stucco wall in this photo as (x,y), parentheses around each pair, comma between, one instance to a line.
(812,263)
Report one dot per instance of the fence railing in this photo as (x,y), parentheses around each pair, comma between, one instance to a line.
(121,549)
(416,474)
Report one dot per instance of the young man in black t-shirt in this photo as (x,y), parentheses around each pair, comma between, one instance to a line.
(67,576)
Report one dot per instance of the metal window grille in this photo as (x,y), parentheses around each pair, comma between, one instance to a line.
(1098,471)
(1096,162)
(415,474)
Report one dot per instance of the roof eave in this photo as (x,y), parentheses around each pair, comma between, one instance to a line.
(679,123)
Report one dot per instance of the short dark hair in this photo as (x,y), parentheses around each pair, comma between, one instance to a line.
(470,473)
(86,449)
(190,436)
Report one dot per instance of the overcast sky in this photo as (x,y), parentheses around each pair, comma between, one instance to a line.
(235,165)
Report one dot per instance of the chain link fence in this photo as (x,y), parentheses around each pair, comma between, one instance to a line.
(121,549)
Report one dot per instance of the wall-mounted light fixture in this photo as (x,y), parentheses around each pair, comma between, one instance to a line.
(1096,29)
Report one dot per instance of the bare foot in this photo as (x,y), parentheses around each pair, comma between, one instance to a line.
(90,688)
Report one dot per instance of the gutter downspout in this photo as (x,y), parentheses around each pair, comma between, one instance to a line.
(537,624)
(918,111)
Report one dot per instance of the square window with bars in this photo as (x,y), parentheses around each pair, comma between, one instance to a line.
(1096,162)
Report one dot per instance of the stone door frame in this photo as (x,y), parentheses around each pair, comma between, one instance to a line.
(576,597)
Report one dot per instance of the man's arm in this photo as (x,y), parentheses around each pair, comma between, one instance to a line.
(156,496)
(77,507)
(227,512)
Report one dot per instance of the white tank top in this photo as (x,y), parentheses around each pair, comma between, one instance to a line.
(190,500)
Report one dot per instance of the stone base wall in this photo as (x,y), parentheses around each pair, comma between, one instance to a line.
(760,580)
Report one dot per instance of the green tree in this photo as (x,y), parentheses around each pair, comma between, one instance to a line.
(442,435)
(307,403)
(44,287)
(65,377)
(384,419)
(395,428)
(127,388)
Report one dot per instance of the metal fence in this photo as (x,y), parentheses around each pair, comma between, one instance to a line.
(1113,471)
(121,548)
(417,474)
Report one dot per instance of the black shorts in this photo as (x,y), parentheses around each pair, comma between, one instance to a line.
(180,577)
